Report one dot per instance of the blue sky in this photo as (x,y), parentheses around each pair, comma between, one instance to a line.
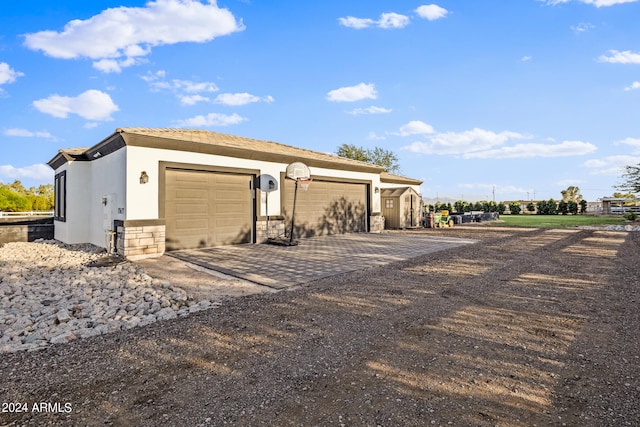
(523,98)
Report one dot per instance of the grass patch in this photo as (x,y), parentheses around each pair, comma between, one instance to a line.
(556,221)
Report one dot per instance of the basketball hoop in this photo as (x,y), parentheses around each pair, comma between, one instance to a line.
(304,183)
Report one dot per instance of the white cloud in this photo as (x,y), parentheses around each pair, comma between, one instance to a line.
(392,20)
(386,21)
(604,3)
(565,148)
(38,172)
(526,58)
(187,91)
(611,165)
(192,99)
(463,143)
(119,37)
(115,66)
(357,23)
(582,27)
(375,137)
(370,110)
(187,86)
(634,85)
(634,142)
(431,12)
(415,127)
(353,93)
(212,119)
(617,57)
(90,105)
(8,74)
(28,134)
(237,99)
(596,3)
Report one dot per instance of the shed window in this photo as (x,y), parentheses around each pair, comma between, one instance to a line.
(60,196)
(388,204)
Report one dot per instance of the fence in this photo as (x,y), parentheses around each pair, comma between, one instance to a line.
(28,214)
(25,229)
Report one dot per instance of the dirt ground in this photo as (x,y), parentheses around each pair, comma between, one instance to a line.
(528,327)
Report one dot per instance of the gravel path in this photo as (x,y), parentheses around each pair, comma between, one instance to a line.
(527,327)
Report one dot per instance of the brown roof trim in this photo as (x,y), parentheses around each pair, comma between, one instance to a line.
(395,191)
(205,142)
(234,146)
(67,155)
(397,179)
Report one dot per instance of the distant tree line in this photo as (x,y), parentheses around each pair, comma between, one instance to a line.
(15,197)
(551,207)
(462,206)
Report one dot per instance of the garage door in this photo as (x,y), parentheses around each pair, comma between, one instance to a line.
(205,209)
(327,208)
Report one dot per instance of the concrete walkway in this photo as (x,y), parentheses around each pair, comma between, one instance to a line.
(315,258)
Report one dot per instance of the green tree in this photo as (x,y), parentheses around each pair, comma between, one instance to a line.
(563,207)
(583,206)
(531,207)
(571,194)
(542,207)
(631,178)
(376,156)
(17,187)
(572,207)
(354,153)
(514,208)
(501,208)
(12,201)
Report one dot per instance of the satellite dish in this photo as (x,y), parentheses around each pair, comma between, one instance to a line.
(297,170)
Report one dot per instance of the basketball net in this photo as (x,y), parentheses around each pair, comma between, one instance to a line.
(304,183)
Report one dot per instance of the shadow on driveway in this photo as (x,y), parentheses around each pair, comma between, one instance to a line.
(314,258)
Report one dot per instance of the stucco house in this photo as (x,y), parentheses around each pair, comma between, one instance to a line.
(142,191)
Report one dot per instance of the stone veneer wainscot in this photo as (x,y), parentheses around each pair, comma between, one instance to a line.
(140,238)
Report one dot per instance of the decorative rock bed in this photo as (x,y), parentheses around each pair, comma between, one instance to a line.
(627,227)
(54,293)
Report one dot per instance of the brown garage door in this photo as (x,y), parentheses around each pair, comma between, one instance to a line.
(205,209)
(327,208)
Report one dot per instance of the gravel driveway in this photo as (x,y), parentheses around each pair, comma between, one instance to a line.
(526,327)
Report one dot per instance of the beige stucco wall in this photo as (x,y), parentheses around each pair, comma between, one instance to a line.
(117,176)
(78,213)
(87,183)
(142,200)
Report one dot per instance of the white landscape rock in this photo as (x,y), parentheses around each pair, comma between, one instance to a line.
(50,295)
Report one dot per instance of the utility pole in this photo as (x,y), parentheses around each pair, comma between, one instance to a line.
(528,196)
(494,194)
(534,194)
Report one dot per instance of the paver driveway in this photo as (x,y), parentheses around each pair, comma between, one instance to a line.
(315,258)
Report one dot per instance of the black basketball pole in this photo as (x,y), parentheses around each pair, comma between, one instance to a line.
(293,214)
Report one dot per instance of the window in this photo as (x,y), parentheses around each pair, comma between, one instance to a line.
(388,203)
(60,197)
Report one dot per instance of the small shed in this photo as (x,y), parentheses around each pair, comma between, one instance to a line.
(400,207)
